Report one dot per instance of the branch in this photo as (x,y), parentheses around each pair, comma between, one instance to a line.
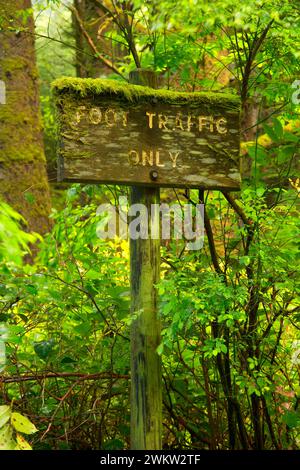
(258,43)
(237,208)
(210,237)
(91,43)
(255,46)
(211,243)
(277,110)
(51,375)
(126,29)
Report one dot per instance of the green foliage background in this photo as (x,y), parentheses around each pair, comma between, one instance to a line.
(230,321)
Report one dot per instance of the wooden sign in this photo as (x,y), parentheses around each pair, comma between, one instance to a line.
(128,134)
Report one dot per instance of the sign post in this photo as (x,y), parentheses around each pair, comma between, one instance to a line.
(146,379)
(146,138)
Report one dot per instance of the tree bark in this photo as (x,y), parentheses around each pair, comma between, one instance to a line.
(23,178)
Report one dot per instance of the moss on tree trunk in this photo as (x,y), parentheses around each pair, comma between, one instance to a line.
(23,178)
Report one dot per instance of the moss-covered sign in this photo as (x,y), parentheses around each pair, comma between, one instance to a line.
(129,134)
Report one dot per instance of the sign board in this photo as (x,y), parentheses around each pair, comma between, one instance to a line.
(128,134)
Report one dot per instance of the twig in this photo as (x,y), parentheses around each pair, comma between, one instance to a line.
(91,43)
(51,375)
(237,208)
(210,237)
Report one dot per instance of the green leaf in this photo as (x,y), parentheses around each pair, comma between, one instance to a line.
(290,137)
(260,191)
(291,419)
(44,348)
(22,424)
(245,260)
(271,132)
(83,329)
(67,360)
(160,349)
(5,413)
(278,127)
(92,274)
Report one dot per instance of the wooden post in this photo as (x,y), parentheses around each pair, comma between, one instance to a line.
(146,380)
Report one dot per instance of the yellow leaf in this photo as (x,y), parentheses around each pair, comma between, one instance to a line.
(6,440)
(22,443)
(22,424)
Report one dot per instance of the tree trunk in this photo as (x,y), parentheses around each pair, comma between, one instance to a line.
(23,177)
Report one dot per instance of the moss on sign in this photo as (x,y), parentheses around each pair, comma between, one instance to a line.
(85,87)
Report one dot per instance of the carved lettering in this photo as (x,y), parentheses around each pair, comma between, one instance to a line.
(189,122)
(147,159)
(157,155)
(95,115)
(110,117)
(133,157)
(150,119)
(125,118)
(202,122)
(210,122)
(151,158)
(221,125)
(178,121)
(174,158)
(78,115)
(162,121)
